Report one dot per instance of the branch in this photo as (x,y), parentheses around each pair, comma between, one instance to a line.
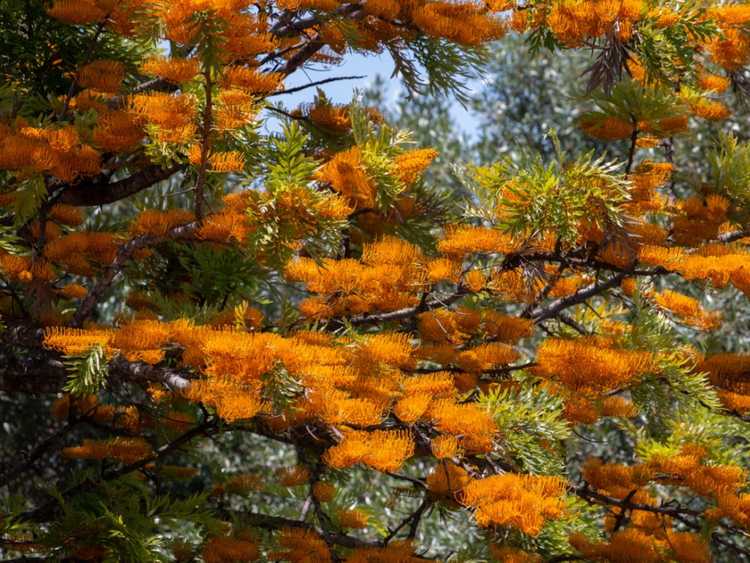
(205,144)
(96,293)
(733,236)
(412,520)
(46,511)
(555,307)
(284,28)
(317,83)
(408,312)
(91,193)
(27,366)
(268,522)
(9,475)
(301,56)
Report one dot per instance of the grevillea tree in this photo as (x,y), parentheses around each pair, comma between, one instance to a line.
(234,330)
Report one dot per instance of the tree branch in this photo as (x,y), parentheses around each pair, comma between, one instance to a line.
(316,83)
(555,307)
(96,293)
(91,193)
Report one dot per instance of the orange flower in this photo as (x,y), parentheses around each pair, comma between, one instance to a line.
(347,174)
(522,501)
(384,450)
(172,70)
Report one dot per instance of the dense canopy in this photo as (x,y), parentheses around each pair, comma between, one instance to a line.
(232,330)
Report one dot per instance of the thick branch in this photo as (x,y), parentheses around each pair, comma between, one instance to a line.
(284,28)
(26,366)
(733,236)
(90,193)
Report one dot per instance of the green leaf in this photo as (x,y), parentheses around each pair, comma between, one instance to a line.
(87,373)
(29,199)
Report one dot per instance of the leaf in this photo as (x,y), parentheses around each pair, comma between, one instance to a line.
(29,199)
(87,374)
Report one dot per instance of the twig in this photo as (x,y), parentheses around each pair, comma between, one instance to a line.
(312,84)
(96,293)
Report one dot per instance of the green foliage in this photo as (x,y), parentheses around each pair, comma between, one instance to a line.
(29,198)
(87,373)
(529,419)
(216,275)
(729,169)
(579,517)
(9,240)
(38,53)
(530,197)
(281,389)
(668,52)
(448,67)
(715,432)
(290,165)
(632,103)
(379,146)
(675,391)
(127,519)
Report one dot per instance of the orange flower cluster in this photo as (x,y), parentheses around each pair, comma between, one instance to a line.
(347,174)
(155,222)
(225,549)
(525,502)
(117,131)
(687,309)
(242,483)
(384,450)
(700,219)
(445,446)
(126,450)
(171,115)
(605,128)
(731,49)
(386,279)
(580,409)
(466,23)
(172,70)
(513,555)
(102,75)
(300,546)
(717,263)
(728,372)
(573,22)
(15,268)
(121,17)
(58,151)
(447,480)
(633,544)
(618,480)
(354,519)
(323,491)
(591,366)
(355,384)
(411,165)
(686,468)
(646,177)
(474,425)
(125,417)
(396,552)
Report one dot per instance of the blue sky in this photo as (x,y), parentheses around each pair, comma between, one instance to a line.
(341,92)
